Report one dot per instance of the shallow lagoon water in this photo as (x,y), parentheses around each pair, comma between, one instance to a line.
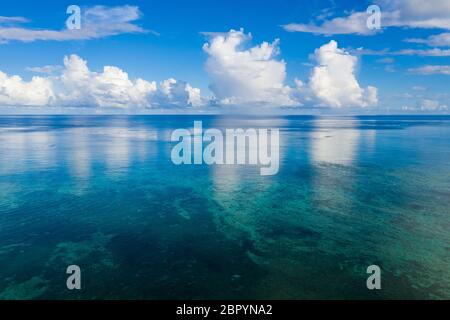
(101,192)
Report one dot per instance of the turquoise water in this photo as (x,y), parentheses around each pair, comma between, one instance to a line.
(102,193)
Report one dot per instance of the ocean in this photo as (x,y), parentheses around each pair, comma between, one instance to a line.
(101,192)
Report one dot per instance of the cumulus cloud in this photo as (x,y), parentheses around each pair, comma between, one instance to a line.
(240,76)
(254,77)
(428,14)
(77,86)
(15,91)
(333,81)
(97,22)
(110,88)
(179,94)
(246,77)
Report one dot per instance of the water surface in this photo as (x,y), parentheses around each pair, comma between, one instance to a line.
(101,192)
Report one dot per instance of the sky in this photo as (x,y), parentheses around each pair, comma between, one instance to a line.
(225,56)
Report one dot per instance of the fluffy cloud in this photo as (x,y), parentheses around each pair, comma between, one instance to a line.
(246,77)
(179,94)
(333,81)
(15,91)
(251,77)
(96,22)
(77,86)
(395,13)
(110,88)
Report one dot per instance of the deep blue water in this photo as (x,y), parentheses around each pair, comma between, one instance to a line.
(101,192)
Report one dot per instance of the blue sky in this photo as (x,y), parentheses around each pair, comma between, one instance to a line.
(406,73)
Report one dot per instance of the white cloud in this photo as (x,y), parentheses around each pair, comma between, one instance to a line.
(246,77)
(253,77)
(386,60)
(352,24)
(432,105)
(437,40)
(388,64)
(428,14)
(77,86)
(240,77)
(431,69)
(431,52)
(179,94)
(110,88)
(333,80)
(12,20)
(50,69)
(96,22)
(435,52)
(15,91)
